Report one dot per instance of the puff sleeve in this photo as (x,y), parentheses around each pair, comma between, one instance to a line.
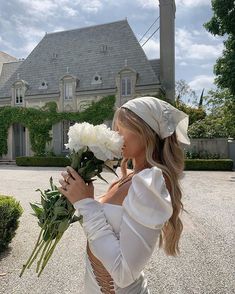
(148,201)
(145,210)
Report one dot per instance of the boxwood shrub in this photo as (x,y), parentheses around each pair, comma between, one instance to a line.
(42,161)
(209,164)
(10,211)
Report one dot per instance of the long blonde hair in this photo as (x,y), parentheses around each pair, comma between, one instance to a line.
(167,155)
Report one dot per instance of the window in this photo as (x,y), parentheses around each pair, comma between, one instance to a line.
(126,86)
(97,79)
(18,95)
(68,90)
(65,128)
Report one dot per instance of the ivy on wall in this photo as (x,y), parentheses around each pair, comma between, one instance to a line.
(39,122)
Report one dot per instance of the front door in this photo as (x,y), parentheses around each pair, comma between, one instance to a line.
(18,140)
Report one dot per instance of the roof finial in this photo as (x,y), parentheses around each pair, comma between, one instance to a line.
(125,62)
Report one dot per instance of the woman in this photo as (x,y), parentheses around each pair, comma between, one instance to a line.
(122,228)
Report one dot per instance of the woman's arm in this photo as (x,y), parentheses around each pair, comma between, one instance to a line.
(146,208)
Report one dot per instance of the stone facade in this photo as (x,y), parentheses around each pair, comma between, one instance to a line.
(74,68)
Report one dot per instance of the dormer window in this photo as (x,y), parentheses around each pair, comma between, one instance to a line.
(68,90)
(43,85)
(19,89)
(18,95)
(97,79)
(68,86)
(126,86)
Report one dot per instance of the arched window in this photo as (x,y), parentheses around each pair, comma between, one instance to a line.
(68,90)
(18,95)
(126,86)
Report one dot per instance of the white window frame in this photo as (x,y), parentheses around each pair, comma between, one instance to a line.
(68,90)
(126,86)
(19,95)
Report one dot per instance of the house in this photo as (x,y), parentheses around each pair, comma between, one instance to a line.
(75,67)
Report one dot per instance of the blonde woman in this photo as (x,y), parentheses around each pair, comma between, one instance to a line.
(144,206)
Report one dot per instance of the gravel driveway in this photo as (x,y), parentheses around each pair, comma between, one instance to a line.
(206,263)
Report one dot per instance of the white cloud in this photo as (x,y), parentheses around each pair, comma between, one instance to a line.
(188,46)
(29,47)
(92,6)
(182,63)
(148,3)
(206,65)
(202,81)
(70,11)
(193,3)
(40,8)
(29,32)
(151,48)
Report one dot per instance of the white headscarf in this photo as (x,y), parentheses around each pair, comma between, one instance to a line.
(161,116)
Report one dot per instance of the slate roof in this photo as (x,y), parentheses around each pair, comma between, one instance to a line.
(155,63)
(81,51)
(7,71)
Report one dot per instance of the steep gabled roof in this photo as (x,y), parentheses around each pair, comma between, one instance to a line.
(100,49)
(7,71)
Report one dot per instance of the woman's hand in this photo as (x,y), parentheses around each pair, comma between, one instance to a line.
(73,186)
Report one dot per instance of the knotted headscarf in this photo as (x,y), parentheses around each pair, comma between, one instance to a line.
(161,116)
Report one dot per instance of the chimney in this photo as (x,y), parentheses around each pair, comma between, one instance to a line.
(167,47)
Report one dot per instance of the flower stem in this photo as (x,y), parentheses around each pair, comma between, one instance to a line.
(36,254)
(49,253)
(29,259)
(48,243)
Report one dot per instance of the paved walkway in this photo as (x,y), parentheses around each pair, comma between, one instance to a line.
(205,266)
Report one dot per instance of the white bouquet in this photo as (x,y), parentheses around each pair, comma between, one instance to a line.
(91,150)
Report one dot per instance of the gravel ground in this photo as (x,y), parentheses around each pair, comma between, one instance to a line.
(206,263)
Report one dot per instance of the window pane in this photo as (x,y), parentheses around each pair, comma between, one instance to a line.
(128,86)
(18,95)
(123,87)
(68,91)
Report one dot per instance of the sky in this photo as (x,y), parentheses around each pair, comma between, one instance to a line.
(23,23)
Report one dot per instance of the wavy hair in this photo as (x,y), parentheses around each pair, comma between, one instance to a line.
(167,155)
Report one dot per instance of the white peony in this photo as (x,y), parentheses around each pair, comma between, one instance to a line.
(103,142)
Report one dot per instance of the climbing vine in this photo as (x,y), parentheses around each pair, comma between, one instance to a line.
(40,121)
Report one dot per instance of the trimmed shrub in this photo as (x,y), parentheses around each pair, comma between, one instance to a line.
(209,164)
(42,161)
(10,211)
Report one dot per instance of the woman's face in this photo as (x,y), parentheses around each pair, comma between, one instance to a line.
(133,143)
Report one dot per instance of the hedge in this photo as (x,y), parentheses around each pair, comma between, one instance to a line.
(190,164)
(10,211)
(42,161)
(209,164)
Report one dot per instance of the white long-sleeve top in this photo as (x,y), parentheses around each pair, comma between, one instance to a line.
(124,244)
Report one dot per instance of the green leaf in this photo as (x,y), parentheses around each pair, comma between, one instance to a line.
(63,226)
(38,210)
(60,211)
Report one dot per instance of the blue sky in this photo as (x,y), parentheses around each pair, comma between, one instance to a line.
(23,24)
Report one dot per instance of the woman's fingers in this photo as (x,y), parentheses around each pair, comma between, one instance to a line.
(74,174)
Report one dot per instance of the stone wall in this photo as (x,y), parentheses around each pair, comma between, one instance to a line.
(212,146)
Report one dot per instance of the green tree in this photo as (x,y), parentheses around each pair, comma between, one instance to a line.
(183,90)
(222,23)
(219,121)
(221,105)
